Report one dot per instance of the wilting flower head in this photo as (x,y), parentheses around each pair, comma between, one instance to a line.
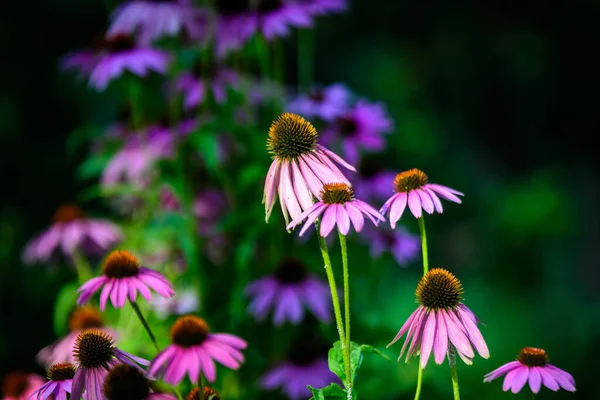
(153,20)
(403,245)
(123,277)
(300,166)
(205,78)
(125,382)
(441,320)
(72,231)
(326,103)
(20,385)
(532,365)
(61,351)
(59,384)
(287,292)
(96,355)
(413,188)
(206,393)
(193,350)
(337,206)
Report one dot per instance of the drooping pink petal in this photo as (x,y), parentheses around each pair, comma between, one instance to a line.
(440,344)
(343,221)
(357,218)
(208,365)
(105,293)
(519,378)
(397,208)
(287,197)
(473,332)
(444,192)
(161,358)
(426,200)
(328,221)
(220,356)
(406,325)
(230,339)
(301,188)
(457,335)
(436,201)
(498,372)
(176,369)
(414,203)
(428,337)
(535,379)
(547,379)
(564,379)
(271,185)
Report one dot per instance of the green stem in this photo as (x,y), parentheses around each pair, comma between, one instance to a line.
(453,371)
(137,310)
(423,244)
(84,271)
(532,395)
(419,381)
(344,248)
(134,89)
(202,384)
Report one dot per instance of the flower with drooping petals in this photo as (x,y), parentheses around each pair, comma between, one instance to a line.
(59,384)
(287,292)
(441,320)
(125,382)
(201,80)
(96,355)
(403,245)
(194,349)
(20,385)
(413,188)
(532,366)
(72,231)
(123,278)
(326,103)
(300,166)
(337,206)
(206,393)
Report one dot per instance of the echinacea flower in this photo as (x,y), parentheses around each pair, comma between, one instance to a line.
(72,231)
(61,351)
(300,166)
(403,245)
(441,320)
(205,78)
(361,128)
(20,385)
(326,103)
(206,393)
(413,188)
(337,206)
(96,355)
(59,384)
(194,349)
(532,366)
(287,292)
(125,382)
(123,278)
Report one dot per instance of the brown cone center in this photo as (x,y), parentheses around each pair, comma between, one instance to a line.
(67,213)
(83,318)
(188,331)
(533,357)
(410,180)
(121,264)
(61,372)
(439,289)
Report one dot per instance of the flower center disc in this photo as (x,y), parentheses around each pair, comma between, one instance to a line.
(15,384)
(93,348)
(119,43)
(336,193)
(189,331)
(125,382)
(533,357)
(291,136)
(209,394)
(410,180)
(83,318)
(67,213)
(290,270)
(61,372)
(120,264)
(439,289)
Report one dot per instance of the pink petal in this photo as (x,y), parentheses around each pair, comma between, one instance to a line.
(357,218)
(328,221)
(440,344)
(498,372)
(301,189)
(343,221)
(426,201)
(428,337)
(397,208)
(535,379)
(414,203)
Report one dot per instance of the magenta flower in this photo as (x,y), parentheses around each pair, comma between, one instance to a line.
(124,381)
(361,128)
(322,7)
(196,84)
(20,385)
(123,278)
(337,206)
(287,292)
(152,20)
(404,246)
(72,231)
(441,320)
(96,355)
(326,103)
(413,188)
(60,381)
(300,166)
(532,365)
(194,350)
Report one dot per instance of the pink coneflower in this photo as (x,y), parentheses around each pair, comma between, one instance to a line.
(59,384)
(205,78)
(413,188)
(403,245)
(20,385)
(72,231)
(287,292)
(441,320)
(532,365)
(326,103)
(125,382)
(194,350)
(337,206)
(96,355)
(206,393)
(300,166)
(61,351)
(123,278)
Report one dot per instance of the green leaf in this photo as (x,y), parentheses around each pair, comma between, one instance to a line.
(365,348)
(335,358)
(333,391)
(65,301)
(205,142)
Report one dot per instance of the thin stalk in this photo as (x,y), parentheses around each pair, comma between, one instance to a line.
(137,310)
(419,381)
(453,371)
(532,395)
(423,244)
(84,271)
(202,384)
(344,248)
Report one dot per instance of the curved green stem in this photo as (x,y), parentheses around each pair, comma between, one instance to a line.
(84,271)
(138,312)
(419,380)
(423,244)
(344,248)
(453,371)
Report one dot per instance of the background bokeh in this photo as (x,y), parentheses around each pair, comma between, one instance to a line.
(496,99)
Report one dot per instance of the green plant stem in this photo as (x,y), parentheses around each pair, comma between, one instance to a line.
(137,310)
(423,244)
(84,272)
(419,381)
(532,395)
(344,248)
(453,371)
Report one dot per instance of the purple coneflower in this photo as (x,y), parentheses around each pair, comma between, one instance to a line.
(300,166)
(363,127)
(152,20)
(123,278)
(193,350)
(322,7)
(441,320)
(206,393)
(403,245)
(532,365)
(125,382)
(70,232)
(337,206)
(185,301)
(287,292)
(326,103)
(96,355)
(59,384)
(20,385)
(205,78)
(373,182)
(413,188)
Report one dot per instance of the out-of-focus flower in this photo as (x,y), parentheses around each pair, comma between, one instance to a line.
(440,321)
(300,166)
(208,207)
(404,246)
(123,278)
(193,350)
(361,128)
(206,393)
(127,382)
(337,206)
(167,199)
(373,182)
(72,231)
(59,384)
(413,188)
(96,355)
(185,301)
(20,385)
(205,78)
(287,292)
(532,365)
(322,7)
(326,103)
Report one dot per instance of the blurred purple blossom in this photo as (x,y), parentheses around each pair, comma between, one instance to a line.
(403,245)
(197,83)
(185,301)
(326,103)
